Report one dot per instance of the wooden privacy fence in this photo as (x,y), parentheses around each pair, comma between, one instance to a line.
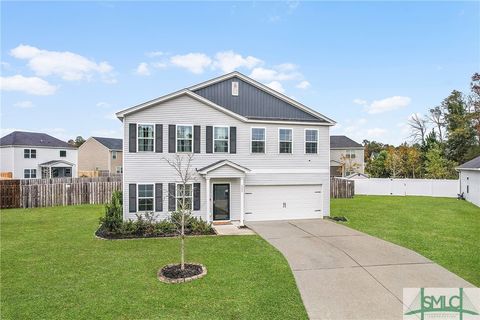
(342,188)
(32,193)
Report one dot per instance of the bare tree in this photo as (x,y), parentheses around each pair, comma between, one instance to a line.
(418,128)
(182,164)
(436,118)
(349,163)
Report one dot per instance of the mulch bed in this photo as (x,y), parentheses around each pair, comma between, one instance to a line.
(340,219)
(112,236)
(172,273)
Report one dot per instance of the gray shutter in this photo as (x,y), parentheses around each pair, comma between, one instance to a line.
(233,139)
(132,137)
(132,197)
(171,138)
(196,137)
(171,197)
(158,197)
(209,145)
(159,138)
(196,196)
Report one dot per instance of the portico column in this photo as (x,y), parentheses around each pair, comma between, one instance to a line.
(242,199)
(207,193)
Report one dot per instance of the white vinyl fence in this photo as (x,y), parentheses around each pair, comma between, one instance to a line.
(408,187)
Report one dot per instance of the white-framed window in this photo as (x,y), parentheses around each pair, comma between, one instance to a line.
(220,139)
(187,192)
(63,153)
(285,138)
(29,153)
(350,154)
(311,141)
(145,197)
(119,169)
(30,173)
(114,154)
(184,138)
(146,137)
(68,172)
(258,138)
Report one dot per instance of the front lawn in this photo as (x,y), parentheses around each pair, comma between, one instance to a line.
(52,267)
(444,230)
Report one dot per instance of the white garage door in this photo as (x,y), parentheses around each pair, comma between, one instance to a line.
(283,202)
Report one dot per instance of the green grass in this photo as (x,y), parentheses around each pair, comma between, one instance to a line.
(444,230)
(52,267)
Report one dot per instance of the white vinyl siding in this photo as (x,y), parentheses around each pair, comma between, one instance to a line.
(184,138)
(146,137)
(151,168)
(221,139)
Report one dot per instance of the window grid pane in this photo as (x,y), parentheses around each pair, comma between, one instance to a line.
(221,146)
(258,134)
(311,147)
(311,135)
(145,131)
(285,147)
(184,138)
(258,146)
(285,135)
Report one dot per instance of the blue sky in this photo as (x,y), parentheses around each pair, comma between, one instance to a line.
(67,67)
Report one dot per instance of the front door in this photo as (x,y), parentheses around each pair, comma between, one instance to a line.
(221,202)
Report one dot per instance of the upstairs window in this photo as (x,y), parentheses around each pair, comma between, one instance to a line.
(311,141)
(29,153)
(63,153)
(119,169)
(184,138)
(145,137)
(30,173)
(350,154)
(258,140)
(285,140)
(145,197)
(114,155)
(187,192)
(220,139)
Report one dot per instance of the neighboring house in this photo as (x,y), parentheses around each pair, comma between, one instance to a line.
(258,154)
(100,154)
(346,156)
(470,180)
(30,155)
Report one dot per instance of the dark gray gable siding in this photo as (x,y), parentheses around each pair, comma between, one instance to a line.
(252,102)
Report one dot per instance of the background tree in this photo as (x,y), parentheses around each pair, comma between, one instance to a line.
(77,142)
(413,163)
(182,164)
(437,120)
(474,104)
(376,166)
(349,164)
(460,132)
(437,166)
(394,162)
(418,128)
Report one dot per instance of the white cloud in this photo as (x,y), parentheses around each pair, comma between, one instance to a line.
(158,65)
(153,54)
(360,101)
(30,85)
(193,62)
(281,72)
(387,104)
(303,84)
(277,86)
(229,61)
(67,65)
(142,69)
(24,104)
(375,133)
(102,104)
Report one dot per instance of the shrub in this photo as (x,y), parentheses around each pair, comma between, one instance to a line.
(113,218)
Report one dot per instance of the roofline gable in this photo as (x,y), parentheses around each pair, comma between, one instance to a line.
(189,91)
(220,164)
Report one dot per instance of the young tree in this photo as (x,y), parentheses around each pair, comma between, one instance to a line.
(460,132)
(438,167)
(376,165)
(413,162)
(394,162)
(349,164)
(418,128)
(182,164)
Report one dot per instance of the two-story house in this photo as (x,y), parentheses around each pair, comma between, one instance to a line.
(258,154)
(346,157)
(99,156)
(30,155)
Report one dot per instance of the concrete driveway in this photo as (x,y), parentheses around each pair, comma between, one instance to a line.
(345,274)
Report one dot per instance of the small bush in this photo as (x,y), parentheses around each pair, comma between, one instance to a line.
(146,225)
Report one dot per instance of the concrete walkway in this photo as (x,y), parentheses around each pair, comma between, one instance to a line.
(345,274)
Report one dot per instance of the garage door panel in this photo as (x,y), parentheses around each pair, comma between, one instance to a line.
(283,202)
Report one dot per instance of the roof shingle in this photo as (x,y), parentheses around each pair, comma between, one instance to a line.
(110,143)
(35,139)
(472,164)
(341,142)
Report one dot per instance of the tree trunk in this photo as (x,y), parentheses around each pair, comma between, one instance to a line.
(182,245)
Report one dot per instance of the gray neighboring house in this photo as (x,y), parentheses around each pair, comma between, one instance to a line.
(258,154)
(30,155)
(346,157)
(470,180)
(100,155)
